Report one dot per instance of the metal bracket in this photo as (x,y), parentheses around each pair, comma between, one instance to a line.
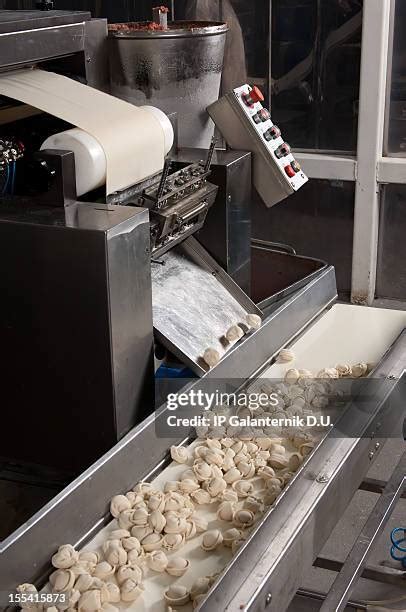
(353,567)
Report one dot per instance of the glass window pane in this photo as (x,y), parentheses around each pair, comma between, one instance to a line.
(315,58)
(395,131)
(391,272)
(317,221)
(254,21)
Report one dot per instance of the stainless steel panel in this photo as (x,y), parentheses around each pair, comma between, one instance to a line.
(130,316)
(240,133)
(31,46)
(81,509)
(226,233)
(177,71)
(277,272)
(77,327)
(96,54)
(17,21)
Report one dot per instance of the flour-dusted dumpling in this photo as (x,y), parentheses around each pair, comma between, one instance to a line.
(254,321)
(173,541)
(243,518)
(103,570)
(157,561)
(130,544)
(234,333)
(139,532)
(84,582)
(230,536)
(62,580)
(215,486)
(328,373)
(180,454)
(65,557)
(201,497)
(114,592)
(131,590)
(175,523)
(125,572)
(200,587)
(211,357)
(243,488)
(212,539)
(157,521)
(157,501)
(28,589)
(359,369)
(292,376)
(152,542)
(118,504)
(177,566)
(115,553)
(90,601)
(177,595)
(225,511)
(89,556)
(344,369)
(285,356)
(295,461)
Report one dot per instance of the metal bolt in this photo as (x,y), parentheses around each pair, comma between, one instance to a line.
(391,377)
(377,445)
(323,478)
(268,599)
(371,455)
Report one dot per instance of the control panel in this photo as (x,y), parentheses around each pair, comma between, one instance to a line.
(247,125)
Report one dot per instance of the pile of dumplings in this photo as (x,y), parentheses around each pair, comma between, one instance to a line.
(236,474)
(300,393)
(238,479)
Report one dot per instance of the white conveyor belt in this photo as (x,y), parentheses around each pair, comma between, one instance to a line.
(345,334)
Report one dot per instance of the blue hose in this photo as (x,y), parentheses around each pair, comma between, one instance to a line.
(5,185)
(398,537)
(13,177)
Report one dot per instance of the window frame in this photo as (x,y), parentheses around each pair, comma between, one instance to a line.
(369,168)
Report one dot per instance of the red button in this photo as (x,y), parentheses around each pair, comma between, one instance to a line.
(256,95)
(253,96)
(289,171)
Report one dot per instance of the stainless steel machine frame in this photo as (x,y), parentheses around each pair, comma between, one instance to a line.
(32,37)
(265,574)
(64,338)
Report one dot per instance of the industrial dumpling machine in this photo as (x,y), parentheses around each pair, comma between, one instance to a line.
(92,282)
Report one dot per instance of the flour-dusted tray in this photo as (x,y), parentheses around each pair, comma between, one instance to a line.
(195,302)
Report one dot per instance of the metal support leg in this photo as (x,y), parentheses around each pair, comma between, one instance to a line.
(373,485)
(356,605)
(377,573)
(352,569)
